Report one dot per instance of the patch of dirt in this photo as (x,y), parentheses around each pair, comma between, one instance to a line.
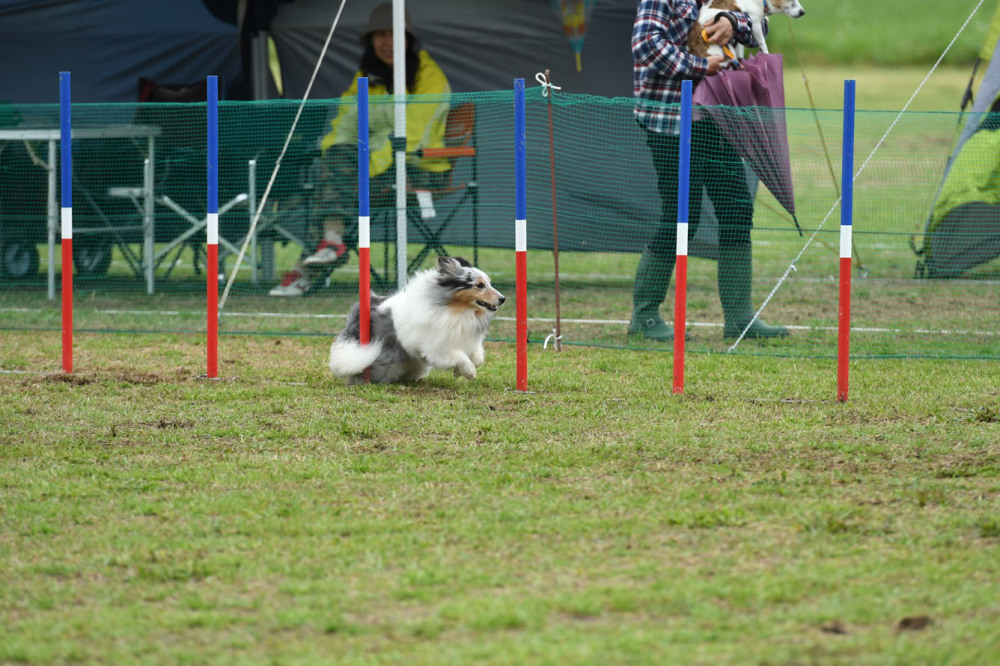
(63,378)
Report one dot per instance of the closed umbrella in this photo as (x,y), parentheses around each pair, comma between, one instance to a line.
(748,106)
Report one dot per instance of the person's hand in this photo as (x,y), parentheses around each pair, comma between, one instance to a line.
(715,63)
(719,31)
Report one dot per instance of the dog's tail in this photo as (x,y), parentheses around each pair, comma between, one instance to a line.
(349,357)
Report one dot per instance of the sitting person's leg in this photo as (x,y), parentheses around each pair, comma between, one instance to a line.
(333,207)
(326,247)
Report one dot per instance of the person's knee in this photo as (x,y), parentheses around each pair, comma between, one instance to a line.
(664,242)
(734,235)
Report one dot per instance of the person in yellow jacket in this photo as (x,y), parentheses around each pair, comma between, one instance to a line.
(335,205)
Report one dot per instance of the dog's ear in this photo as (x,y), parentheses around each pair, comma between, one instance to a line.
(452,264)
(448,265)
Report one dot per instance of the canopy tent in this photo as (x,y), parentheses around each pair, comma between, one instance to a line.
(482,45)
(479,45)
(108,45)
(963,230)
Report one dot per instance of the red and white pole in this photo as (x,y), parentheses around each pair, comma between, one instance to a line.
(212,227)
(66,164)
(364,219)
(520,236)
(846,233)
(683,206)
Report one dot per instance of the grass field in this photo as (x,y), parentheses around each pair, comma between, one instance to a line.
(276,516)
(148,515)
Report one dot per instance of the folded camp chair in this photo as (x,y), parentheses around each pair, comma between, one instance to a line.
(180,172)
(460,143)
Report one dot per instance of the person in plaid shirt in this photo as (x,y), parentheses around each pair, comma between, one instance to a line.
(661,63)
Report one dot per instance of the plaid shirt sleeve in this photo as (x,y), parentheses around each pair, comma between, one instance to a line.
(661,61)
(744,35)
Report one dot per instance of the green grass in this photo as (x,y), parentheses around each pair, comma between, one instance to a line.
(277,516)
(888,33)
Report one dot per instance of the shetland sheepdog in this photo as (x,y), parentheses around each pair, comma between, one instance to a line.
(755,9)
(439,320)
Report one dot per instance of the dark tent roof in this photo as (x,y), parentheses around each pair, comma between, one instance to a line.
(107,45)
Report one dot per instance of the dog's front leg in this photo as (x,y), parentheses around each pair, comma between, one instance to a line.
(464,367)
(478,356)
(758,35)
(459,361)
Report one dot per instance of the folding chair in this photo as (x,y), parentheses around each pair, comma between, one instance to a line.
(460,142)
(179,186)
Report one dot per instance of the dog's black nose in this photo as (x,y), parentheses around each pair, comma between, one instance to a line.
(502,299)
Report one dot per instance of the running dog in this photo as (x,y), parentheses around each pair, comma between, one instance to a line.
(755,9)
(439,320)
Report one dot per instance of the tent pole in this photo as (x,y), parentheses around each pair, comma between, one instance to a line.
(399,147)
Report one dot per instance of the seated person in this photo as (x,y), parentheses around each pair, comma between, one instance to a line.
(334,206)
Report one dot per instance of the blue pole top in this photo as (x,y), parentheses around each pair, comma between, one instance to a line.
(213,144)
(684,159)
(363,164)
(847,175)
(66,142)
(520,162)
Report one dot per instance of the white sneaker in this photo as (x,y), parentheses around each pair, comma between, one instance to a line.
(327,254)
(293,284)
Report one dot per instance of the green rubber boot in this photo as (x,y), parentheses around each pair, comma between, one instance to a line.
(735,273)
(651,281)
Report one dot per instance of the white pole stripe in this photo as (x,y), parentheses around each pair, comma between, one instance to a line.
(845,240)
(212,230)
(520,235)
(364,231)
(67,223)
(682,239)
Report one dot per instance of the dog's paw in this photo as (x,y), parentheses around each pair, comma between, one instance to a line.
(465,369)
(478,357)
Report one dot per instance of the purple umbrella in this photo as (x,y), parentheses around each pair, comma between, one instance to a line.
(748,105)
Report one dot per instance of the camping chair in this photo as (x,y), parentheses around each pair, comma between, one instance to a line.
(460,142)
(180,172)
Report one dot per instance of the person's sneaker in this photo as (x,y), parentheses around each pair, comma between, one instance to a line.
(328,253)
(294,283)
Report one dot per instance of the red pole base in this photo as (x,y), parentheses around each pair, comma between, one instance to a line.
(67,305)
(521,292)
(844,329)
(213,311)
(680,322)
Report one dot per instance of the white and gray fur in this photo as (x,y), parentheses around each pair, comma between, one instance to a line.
(755,9)
(439,320)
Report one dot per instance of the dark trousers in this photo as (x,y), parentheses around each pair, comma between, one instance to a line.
(336,196)
(716,167)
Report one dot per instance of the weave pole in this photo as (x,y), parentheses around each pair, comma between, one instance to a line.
(520,236)
(846,234)
(66,168)
(212,228)
(364,219)
(683,185)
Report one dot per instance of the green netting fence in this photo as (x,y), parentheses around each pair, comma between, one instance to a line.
(139,210)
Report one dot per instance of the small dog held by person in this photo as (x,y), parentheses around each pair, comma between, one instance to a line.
(438,320)
(714,10)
